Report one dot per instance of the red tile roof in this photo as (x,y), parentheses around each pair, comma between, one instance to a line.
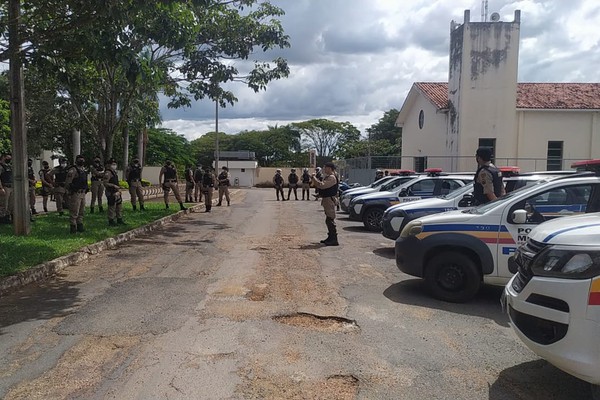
(568,96)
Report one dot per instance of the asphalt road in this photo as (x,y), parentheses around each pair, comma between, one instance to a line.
(243,303)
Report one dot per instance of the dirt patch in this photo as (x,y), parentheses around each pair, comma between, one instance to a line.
(258,292)
(319,323)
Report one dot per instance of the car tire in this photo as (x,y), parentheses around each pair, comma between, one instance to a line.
(372,219)
(452,276)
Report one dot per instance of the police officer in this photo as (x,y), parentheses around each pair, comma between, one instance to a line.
(133,176)
(278,183)
(189,183)
(32,182)
(113,194)
(6,188)
(328,190)
(59,175)
(97,172)
(208,184)
(169,183)
(77,185)
(488,179)
(198,183)
(293,183)
(224,183)
(47,183)
(305,184)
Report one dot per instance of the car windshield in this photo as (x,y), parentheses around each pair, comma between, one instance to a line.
(394,183)
(381,181)
(459,192)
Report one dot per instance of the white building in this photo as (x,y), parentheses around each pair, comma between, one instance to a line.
(536,126)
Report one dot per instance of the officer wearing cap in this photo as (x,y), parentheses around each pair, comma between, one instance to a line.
(328,191)
(113,194)
(59,175)
(208,185)
(487,184)
(293,183)
(278,184)
(77,185)
(224,181)
(133,176)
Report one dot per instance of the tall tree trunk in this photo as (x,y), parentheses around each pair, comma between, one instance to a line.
(141,146)
(125,146)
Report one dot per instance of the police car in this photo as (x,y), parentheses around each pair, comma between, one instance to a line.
(369,208)
(396,217)
(455,252)
(390,183)
(553,301)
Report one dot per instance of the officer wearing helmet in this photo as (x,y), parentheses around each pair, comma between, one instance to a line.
(278,184)
(378,174)
(293,183)
(328,191)
(305,184)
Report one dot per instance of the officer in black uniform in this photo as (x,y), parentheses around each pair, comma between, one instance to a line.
(59,174)
(133,176)
(293,183)
(77,186)
(6,188)
(32,182)
(198,184)
(113,194)
(488,183)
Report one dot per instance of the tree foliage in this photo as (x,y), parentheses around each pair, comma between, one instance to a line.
(325,136)
(5,142)
(164,144)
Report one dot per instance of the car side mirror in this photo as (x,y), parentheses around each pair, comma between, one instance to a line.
(519,216)
(403,192)
(467,201)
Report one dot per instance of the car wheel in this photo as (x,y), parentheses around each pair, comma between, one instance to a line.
(452,276)
(372,219)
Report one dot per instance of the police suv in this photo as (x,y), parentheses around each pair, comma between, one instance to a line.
(396,217)
(389,184)
(455,252)
(369,208)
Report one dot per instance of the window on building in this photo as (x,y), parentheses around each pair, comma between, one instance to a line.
(554,160)
(490,144)
(420,164)
(243,169)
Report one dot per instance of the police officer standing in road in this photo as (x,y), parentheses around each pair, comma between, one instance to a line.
(208,185)
(6,188)
(278,183)
(113,194)
(32,182)
(59,175)
(305,184)
(224,183)
(189,183)
(97,172)
(133,176)
(198,184)
(293,183)
(488,183)
(328,191)
(77,185)
(169,183)
(47,183)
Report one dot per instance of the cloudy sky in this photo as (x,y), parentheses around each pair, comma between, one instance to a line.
(352,60)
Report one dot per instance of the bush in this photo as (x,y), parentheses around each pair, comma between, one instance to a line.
(146,183)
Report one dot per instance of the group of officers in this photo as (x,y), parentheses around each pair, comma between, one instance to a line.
(68,185)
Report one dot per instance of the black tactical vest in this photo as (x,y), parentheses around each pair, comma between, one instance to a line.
(223,181)
(114,179)
(6,175)
(305,177)
(198,175)
(293,179)
(80,182)
(207,180)
(97,168)
(31,176)
(330,192)
(60,176)
(188,175)
(170,172)
(278,179)
(478,187)
(135,174)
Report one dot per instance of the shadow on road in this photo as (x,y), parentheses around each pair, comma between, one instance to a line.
(538,380)
(46,300)
(385,252)
(311,246)
(486,304)
(360,229)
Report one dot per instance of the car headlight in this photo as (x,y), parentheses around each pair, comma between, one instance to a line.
(567,263)
(413,228)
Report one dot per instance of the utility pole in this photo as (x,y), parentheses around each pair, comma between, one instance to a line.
(21,223)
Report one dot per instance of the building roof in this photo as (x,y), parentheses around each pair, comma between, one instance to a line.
(542,96)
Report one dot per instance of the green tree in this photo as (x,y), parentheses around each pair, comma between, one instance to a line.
(5,142)
(164,144)
(386,129)
(326,136)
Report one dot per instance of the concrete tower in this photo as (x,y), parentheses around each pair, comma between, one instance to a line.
(482,87)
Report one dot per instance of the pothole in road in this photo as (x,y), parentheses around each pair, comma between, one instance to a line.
(317,322)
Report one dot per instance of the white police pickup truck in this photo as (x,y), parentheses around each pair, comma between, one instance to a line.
(457,251)
(553,301)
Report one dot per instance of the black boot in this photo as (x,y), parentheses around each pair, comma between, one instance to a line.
(34,211)
(45,209)
(61,213)
(167,206)
(332,241)
(73,228)
(120,221)
(91,209)
(228,204)
(111,222)
(181,206)
(219,204)
(134,206)
(142,207)
(80,227)
(325,240)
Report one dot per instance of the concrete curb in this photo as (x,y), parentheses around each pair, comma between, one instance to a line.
(50,268)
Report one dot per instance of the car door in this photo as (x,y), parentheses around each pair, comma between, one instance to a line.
(420,189)
(559,201)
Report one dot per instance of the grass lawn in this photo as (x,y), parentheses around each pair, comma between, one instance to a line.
(50,237)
